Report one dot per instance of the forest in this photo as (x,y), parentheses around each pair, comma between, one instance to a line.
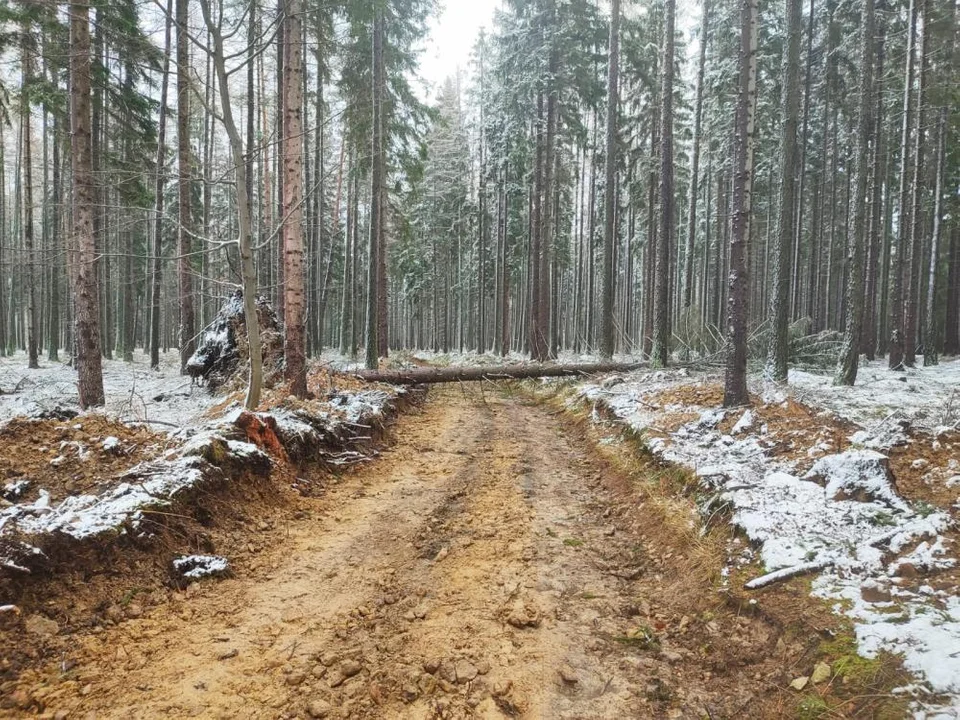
(612,372)
(595,182)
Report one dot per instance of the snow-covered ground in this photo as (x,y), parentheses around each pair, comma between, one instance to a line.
(134,392)
(843,519)
(928,397)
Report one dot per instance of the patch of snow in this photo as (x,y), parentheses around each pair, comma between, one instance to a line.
(13,491)
(927,397)
(134,392)
(194,567)
(110,444)
(744,423)
(856,472)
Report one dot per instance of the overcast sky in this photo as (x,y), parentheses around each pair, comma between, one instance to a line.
(453,33)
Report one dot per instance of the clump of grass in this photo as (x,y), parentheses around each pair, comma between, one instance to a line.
(573,542)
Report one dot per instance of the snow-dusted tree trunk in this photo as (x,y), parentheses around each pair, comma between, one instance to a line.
(610,198)
(86,291)
(294,299)
(186,339)
(735,384)
(155,281)
(858,237)
(780,276)
(26,131)
(896,339)
(661,304)
(376,197)
(688,281)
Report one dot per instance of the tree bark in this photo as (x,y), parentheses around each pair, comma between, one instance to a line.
(780,277)
(858,239)
(610,198)
(930,339)
(186,333)
(294,299)
(661,315)
(26,131)
(426,376)
(86,291)
(735,383)
(695,163)
(912,299)
(376,198)
(896,339)
(156,283)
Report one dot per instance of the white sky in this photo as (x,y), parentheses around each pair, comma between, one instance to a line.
(453,32)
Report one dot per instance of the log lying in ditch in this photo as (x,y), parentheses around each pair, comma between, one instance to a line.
(428,375)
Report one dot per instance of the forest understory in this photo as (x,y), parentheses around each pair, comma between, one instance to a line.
(540,549)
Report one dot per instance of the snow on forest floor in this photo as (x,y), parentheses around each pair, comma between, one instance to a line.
(134,392)
(929,398)
(857,487)
(71,475)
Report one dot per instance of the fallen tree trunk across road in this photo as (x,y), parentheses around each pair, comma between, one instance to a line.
(428,375)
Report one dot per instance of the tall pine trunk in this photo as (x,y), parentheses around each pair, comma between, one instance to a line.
(157,252)
(292,148)
(376,198)
(610,198)
(186,340)
(777,352)
(86,290)
(735,382)
(858,237)
(661,314)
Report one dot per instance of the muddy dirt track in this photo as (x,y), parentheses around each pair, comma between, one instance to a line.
(486,566)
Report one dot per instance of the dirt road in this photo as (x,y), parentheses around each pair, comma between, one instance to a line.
(478,569)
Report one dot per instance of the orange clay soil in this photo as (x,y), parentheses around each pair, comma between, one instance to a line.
(495,562)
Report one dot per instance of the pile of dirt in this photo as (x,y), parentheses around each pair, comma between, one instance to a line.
(78,456)
(224,348)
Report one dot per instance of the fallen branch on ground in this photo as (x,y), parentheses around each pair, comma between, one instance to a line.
(786,573)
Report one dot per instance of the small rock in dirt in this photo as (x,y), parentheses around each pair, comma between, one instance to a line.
(568,675)
(821,673)
(134,610)
(349,668)
(524,616)
(228,654)
(296,678)
(502,688)
(483,667)
(318,671)
(39,625)
(328,659)
(466,671)
(431,665)
(448,671)
(799,683)
(441,555)
(410,692)
(319,708)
